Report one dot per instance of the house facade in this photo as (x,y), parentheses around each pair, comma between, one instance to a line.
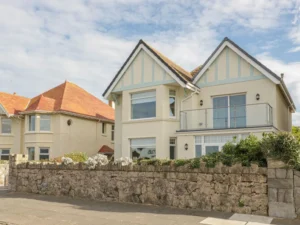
(62,120)
(164,111)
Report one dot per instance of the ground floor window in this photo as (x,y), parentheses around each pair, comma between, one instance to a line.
(214,143)
(143,148)
(44,153)
(4,154)
(172,148)
(31,152)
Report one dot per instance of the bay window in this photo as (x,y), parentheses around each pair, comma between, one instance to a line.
(143,148)
(143,105)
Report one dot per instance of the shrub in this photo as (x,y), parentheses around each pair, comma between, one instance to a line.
(66,160)
(77,156)
(98,159)
(181,162)
(195,163)
(283,146)
(211,159)
(124,161)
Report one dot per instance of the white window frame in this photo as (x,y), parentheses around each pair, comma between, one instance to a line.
(145,145)
(228,103)
(33,152)
(112,133)
(131,94)
(2,119)
(1,153)
(175,105)
(103,128)
(174,145)
(49,119)
(48,154)
(28,125)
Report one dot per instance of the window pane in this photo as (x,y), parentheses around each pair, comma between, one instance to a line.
(31,153)
(198,151)
(143,148)
(238,111)
(211,149)
(4,157)
(172,106)
(45,123)
(172,152)
(6,126)
(44,157)
(220,112)
(5,152)
(103,128)
(31,123)
(44,151)
(112,132)
(143,105)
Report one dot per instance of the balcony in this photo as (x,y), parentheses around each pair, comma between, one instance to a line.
(238,116)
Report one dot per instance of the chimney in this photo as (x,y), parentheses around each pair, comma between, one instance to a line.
(14,93)
(282,76)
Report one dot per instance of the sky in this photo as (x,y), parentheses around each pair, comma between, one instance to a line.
(45,42)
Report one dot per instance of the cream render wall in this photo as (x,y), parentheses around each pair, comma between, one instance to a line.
(82,135)
(8,141)
(283,115)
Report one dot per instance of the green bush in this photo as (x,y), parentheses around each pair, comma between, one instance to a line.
(181,162)
(77,156)
(283,146)
(195,163)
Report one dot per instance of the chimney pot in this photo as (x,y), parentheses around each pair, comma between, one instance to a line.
(282,75)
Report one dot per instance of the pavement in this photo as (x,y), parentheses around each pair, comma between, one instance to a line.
(31,209)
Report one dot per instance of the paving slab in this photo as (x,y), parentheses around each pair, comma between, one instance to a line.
(251,218)
(216,221)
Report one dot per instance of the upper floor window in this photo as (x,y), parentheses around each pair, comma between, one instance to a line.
(5,126)
(45,123)
(31,123)
(103,128)
(143,105)
(112,132)
(172,103)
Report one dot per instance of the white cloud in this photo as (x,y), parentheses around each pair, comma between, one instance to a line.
(295,49)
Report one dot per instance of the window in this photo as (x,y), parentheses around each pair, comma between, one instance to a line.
(4,154)
(103,128)
(44,153)
(172,148)
(143,148)
(112,132)
(45,123)
(172,103)
(213,143)
(31,122)
(229,111)
(143,105)
(5,126)
(31,153)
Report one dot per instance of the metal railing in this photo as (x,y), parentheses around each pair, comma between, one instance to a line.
(238,116)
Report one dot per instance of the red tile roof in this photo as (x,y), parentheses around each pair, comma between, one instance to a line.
(106,149)
(13,103)
(67,97)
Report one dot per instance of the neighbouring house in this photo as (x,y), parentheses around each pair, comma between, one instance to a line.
(164,111)
(61,120)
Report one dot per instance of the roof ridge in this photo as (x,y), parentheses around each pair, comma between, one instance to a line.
(62,97)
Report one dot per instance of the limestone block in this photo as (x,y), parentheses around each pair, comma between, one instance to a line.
(275,164)
(271,173)
(296,181)
(259,188)
(280,183)
(280,195)
(289,174)
(281,173)
(221,188)
(297,196)
(282,210)
(272,194)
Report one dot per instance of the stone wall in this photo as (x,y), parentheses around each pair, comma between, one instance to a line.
(280,190)
(297,192)
(3,175)
(228,189)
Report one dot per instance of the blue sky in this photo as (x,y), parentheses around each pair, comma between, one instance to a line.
(43,43)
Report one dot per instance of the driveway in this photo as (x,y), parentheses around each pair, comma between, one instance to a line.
(31,209)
